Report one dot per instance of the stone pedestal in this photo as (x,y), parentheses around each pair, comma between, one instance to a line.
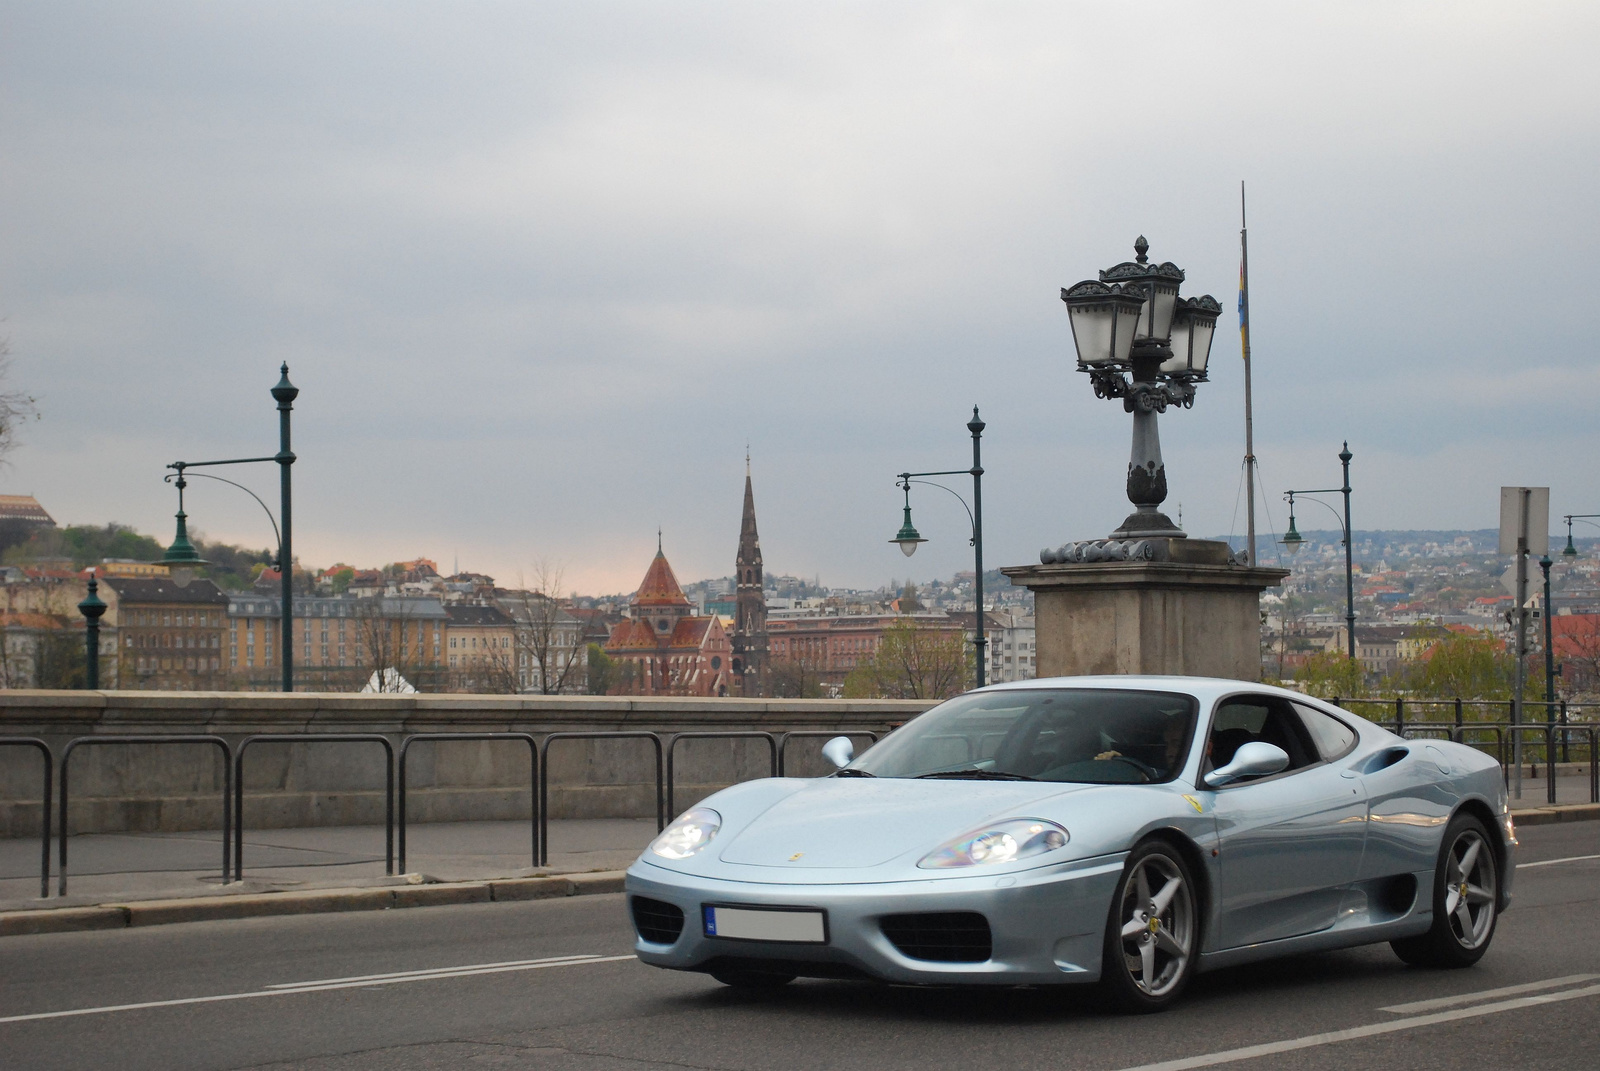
(1176,606)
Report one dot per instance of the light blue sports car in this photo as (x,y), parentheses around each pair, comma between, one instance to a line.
(1125,831)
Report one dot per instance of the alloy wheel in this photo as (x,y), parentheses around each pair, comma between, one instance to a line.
(1158,926)
(1469,897)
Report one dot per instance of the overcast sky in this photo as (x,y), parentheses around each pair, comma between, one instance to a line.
(542,271)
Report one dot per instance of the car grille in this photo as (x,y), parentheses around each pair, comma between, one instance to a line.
(657,922)
(946,936)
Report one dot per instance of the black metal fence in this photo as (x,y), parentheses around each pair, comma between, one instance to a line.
(44,811)
(152,738)
(1558,735)
(431,738)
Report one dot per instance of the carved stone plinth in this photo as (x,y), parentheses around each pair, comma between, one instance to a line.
(1186,609)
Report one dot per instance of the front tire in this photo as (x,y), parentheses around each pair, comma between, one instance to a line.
(1466,900)
(1152,931)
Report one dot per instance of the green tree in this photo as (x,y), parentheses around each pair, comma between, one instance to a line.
(341,580)
(603,675)
(61,660)
(913,661)
(1469,665)
(1332,674)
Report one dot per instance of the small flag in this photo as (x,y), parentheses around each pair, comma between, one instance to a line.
(1244,299)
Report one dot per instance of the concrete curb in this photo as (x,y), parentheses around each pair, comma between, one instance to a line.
(314,902)
(1549,816)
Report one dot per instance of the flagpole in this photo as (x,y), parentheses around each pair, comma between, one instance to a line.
(1249,417)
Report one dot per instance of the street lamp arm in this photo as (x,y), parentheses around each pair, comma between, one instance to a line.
(278,536)
(181,465)
(906,477)
(1324,505)
(964,472)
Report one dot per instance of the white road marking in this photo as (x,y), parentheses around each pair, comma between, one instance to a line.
(1488,994)
(1272,1048)
(1553,862)
(319,987)
(432,971)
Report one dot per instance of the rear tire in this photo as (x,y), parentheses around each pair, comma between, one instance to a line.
(1466,900)
(751,977)
(1152,931)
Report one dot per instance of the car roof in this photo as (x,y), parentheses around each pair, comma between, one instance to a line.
(1205,689)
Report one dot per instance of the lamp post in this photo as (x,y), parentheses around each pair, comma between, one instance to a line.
(1138,341)
(92,608)
(182,556)
(1292,542)
(1549,654)
(909,539)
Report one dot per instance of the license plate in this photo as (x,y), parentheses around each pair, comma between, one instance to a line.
(795,925)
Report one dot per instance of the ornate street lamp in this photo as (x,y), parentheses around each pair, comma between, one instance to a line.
(909,538)
(1571,551)
(182,559)
(1139,341)
(182,556)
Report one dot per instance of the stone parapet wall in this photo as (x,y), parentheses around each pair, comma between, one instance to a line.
(170,787)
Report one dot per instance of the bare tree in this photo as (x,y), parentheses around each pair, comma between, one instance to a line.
(547,638)
(913,662)
(388,653)
(15,406)
(796,677)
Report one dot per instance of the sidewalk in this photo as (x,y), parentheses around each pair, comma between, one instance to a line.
(137,879)
(102,867)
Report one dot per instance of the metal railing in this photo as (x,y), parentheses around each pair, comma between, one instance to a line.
(544,779)
(533,765)
(727,734)
(304,738)
(44,812)
(161,738)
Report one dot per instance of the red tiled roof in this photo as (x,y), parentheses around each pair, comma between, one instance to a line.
(629,633)
(691,632)
(660,586)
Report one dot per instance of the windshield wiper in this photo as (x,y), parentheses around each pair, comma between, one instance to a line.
(976,775)
(853,773)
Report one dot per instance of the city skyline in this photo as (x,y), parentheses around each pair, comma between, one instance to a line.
(524,265)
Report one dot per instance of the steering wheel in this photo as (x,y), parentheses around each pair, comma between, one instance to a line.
(1143,769)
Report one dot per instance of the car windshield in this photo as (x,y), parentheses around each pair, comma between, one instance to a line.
(1098,736)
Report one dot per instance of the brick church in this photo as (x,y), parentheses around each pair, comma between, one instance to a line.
(670,650)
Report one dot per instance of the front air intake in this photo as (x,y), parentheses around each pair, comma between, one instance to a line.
(657,922)
(945,937)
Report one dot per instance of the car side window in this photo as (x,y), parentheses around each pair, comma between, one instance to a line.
(1332,737)
(1244,719)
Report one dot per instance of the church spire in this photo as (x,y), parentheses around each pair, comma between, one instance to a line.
(750,601)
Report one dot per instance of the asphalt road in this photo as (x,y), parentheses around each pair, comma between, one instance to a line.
(551,985)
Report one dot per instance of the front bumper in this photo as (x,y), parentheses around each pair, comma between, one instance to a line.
(1047,924)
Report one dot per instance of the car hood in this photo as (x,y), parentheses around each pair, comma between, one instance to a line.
(841,823)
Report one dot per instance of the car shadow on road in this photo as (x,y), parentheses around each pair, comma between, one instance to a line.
(1022,1005)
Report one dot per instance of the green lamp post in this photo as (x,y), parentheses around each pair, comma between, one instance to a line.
(92,608)
(182,556)
(909,538)
(1292,541)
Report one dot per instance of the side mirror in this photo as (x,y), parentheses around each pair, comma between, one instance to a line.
(840,751)
(1255,759)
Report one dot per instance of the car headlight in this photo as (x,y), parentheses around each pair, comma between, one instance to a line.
(1001,842)
(687,834)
